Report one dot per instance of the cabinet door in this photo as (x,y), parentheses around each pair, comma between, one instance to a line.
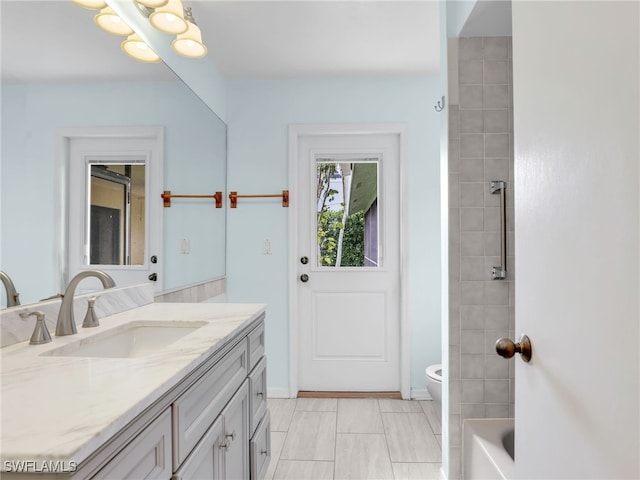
(147,456)
(205,461)
(200,405)
(235,464)
(257,394)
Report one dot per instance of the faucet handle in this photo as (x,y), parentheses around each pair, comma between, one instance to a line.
(90,319)
(40,332)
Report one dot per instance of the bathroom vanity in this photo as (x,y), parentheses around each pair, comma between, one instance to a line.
(184,399)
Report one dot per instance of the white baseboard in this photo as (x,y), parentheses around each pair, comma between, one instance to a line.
(420,394)
(278,393)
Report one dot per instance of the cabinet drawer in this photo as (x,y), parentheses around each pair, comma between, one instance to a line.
(147,456)
(196,409)
(260,447)
(256,345)
(257,393)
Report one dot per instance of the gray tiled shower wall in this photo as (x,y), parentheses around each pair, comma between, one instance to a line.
(481,310)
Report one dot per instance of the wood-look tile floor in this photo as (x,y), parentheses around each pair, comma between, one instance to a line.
(359,439)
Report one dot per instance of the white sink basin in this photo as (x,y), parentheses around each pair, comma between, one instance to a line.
(133,340)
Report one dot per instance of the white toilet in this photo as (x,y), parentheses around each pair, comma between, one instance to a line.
(434,382)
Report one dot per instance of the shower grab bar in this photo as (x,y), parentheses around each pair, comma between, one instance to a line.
(500,272)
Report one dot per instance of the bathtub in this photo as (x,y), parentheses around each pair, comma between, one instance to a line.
(487,449)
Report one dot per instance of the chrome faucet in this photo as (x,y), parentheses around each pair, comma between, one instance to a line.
(12,295)
(66,324)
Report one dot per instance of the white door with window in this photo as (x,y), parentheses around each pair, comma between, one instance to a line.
(347,262)
(114,215)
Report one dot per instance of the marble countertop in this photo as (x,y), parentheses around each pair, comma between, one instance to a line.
(64,408)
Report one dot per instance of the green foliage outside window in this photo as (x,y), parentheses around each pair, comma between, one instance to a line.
(329,225)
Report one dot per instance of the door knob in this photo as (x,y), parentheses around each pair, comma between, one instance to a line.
(154,259)
(304,278)
(153,277)
(304,260)
(507,349)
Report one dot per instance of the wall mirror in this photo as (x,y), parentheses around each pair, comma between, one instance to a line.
(64,73)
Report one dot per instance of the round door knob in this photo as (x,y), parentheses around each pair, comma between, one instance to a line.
(304,260)
(304,278)
(507,349)
(154,259)
(153,277)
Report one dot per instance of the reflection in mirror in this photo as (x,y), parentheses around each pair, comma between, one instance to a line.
(116,214)
(347,212)
(52,81)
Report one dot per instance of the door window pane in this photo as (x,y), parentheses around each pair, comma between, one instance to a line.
(116,214)
(347,213)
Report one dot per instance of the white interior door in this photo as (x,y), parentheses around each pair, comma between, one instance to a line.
(114,216)
(577,128)
(348,262)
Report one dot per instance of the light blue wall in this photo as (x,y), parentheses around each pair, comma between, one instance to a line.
(194,163)
(458,12)
(259,114)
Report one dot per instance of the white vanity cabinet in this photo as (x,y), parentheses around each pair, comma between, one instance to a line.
(259,419)
(196,409)
(223,452)
(200,412)
(214,420)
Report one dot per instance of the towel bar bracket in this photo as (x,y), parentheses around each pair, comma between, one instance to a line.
(497,185)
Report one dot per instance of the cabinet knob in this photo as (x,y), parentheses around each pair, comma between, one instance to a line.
(231,435)
(264,452)
(259,394)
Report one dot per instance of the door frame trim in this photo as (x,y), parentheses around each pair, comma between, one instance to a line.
(63,137)
(296,131)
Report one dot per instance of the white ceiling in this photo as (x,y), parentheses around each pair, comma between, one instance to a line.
(54,40)
(320,38)
(246,39)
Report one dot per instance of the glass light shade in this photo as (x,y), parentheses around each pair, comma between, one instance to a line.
(110,22)
(190,43)
(136,48)
(153,3)
(91,4)
(170,18)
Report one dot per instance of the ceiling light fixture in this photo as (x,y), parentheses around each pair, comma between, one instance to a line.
(91,4)
(170,18)
(110,22)
(136,48)
(189,43)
